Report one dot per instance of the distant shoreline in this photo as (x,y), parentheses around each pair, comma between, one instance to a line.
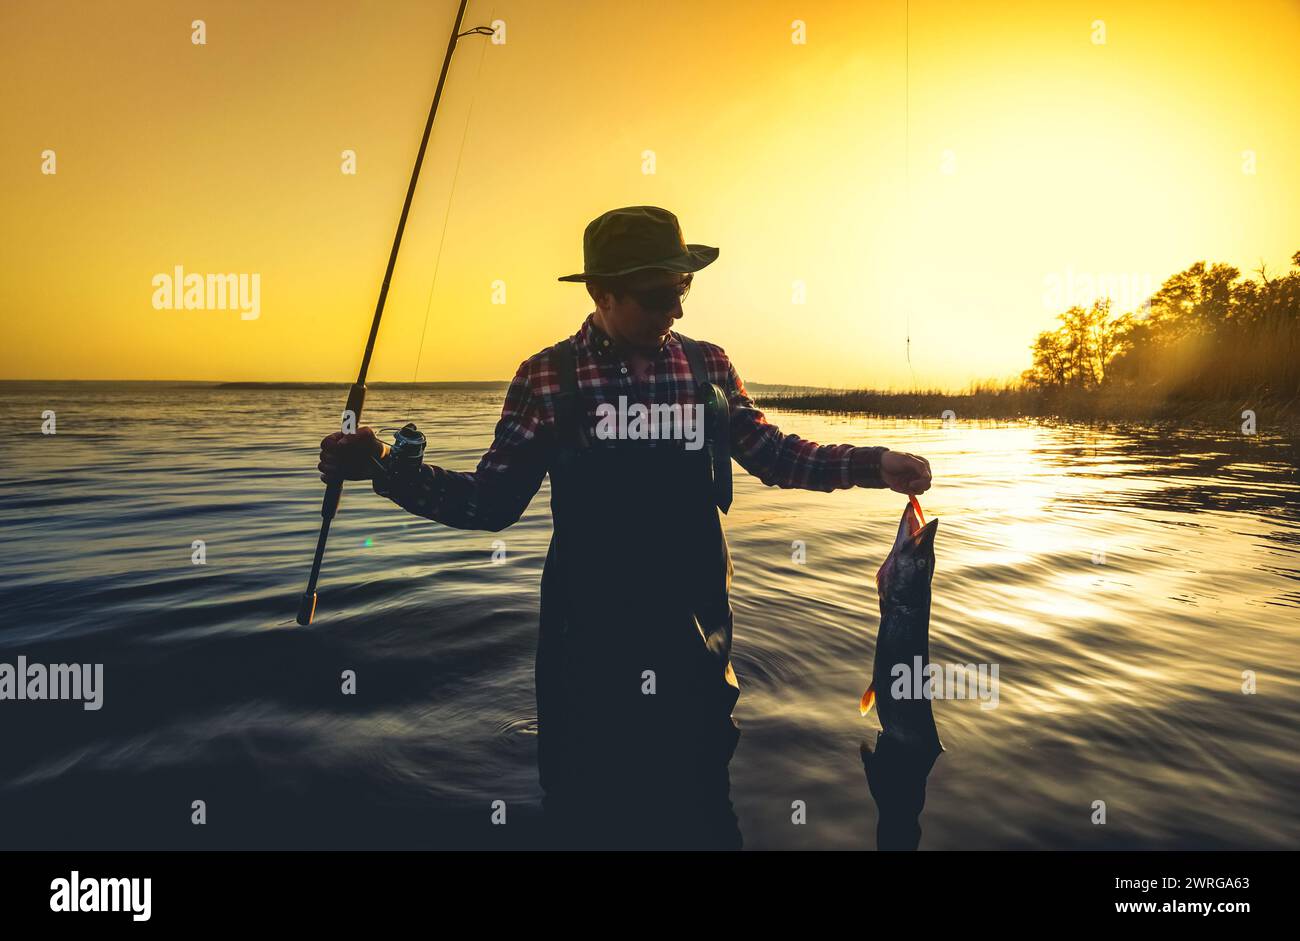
(480,385)
(483,385)
(1113,406)
(1110,407)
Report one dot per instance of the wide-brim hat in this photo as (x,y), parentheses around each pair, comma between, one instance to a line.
(638,238)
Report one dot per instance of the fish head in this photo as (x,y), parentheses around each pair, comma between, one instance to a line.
(910,563)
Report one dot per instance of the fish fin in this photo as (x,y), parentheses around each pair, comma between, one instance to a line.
(868,699)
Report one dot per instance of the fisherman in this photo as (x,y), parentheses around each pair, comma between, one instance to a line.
(635,688)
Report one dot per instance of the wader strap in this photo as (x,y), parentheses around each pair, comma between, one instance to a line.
(569,431)
(718,422)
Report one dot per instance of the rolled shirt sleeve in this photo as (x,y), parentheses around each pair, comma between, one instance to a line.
(788,461)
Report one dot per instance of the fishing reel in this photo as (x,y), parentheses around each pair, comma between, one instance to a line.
(405,455)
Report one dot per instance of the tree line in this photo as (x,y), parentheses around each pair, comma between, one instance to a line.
(1207,333)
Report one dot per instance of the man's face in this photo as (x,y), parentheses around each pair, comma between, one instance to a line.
(643,320)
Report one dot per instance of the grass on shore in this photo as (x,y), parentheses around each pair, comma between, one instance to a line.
(1067,404)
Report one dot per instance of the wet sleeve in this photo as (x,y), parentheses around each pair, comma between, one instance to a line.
(788,461)
(496,494)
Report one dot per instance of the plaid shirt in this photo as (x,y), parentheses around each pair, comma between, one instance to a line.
(510,473)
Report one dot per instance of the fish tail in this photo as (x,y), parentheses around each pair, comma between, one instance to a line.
(868,699)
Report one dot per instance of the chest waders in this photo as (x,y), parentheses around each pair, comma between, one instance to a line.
(634,680)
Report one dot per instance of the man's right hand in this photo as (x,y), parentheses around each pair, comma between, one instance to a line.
(349,457)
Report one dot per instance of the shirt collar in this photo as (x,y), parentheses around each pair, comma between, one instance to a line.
(602,346)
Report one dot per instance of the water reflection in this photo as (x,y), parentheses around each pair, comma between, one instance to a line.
(896,776)
(1125,582)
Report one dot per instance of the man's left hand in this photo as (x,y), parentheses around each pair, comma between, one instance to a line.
(905,473)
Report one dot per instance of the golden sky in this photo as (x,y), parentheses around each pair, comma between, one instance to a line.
(942,169)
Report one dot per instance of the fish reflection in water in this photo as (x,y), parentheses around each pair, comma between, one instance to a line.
(897,776)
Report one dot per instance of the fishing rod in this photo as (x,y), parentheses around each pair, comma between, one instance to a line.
(357,394)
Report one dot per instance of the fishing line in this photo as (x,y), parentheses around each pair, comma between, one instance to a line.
(451,195)
(907,176)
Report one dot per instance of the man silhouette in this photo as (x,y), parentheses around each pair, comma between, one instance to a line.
(634,681)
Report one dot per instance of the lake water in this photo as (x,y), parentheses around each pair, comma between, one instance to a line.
(1122,582)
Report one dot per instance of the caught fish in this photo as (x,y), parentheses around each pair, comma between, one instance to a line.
(903,583)
(902,644)
(908,743)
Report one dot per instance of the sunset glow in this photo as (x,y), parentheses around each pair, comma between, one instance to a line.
(946,171)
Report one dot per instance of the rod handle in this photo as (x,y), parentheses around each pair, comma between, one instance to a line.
(334,489)
(329,506)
